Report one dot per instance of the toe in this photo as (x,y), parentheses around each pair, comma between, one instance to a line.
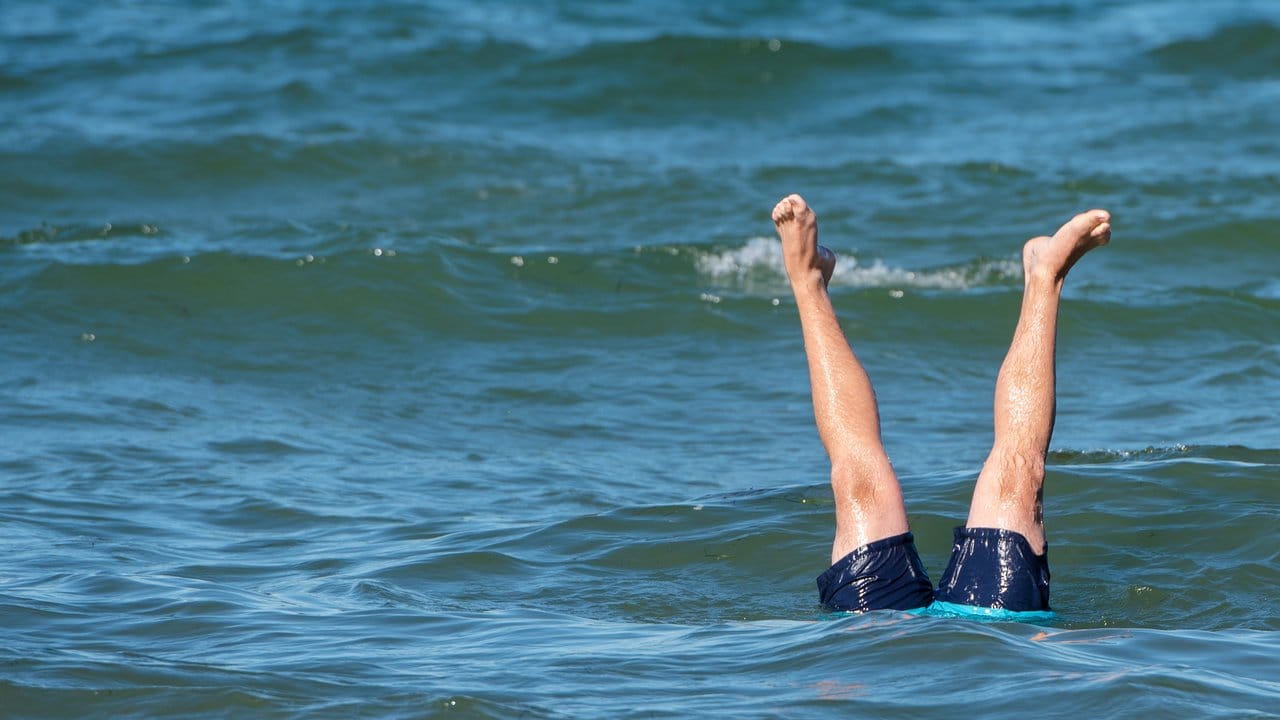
(1086,222)
(781,211)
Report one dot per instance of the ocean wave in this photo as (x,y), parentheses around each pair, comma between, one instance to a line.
(392,278)
(699,75)
(1260,457)
(1243,50)
(757,265)
(709,54)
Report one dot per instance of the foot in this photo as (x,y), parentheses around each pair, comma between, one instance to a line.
(1049,258)
(801,254)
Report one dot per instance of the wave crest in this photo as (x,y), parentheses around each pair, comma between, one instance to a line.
(758,265)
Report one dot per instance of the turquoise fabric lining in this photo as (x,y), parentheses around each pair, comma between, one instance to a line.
(939,608)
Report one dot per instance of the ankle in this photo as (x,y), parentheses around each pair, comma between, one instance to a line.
(807,280)
(1044,280)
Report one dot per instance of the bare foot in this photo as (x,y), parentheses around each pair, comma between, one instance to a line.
(801,254)
(1049,258)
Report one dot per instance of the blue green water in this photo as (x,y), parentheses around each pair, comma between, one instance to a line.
(435,359)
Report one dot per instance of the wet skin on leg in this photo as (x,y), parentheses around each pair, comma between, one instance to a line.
(868,499)
(1010,489)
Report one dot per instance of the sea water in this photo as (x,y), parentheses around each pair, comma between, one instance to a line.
(389,359)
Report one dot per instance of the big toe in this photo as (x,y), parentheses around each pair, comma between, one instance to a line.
(800,207)
(1086,223)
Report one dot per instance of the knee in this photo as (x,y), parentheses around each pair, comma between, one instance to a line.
(856,481)
(1027,464)
(1020,471)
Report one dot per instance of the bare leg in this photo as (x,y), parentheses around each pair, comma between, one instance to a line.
(1010,490)
(868,499)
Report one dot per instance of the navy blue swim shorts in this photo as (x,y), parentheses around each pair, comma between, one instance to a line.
(989,568)
(995,568)
(884,575)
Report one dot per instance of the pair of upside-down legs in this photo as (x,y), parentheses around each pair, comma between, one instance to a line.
(1009,490)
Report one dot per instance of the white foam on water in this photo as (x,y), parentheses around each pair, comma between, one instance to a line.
(1270,291)
(759,264)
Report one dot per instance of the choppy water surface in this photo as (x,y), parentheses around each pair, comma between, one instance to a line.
(381,359)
